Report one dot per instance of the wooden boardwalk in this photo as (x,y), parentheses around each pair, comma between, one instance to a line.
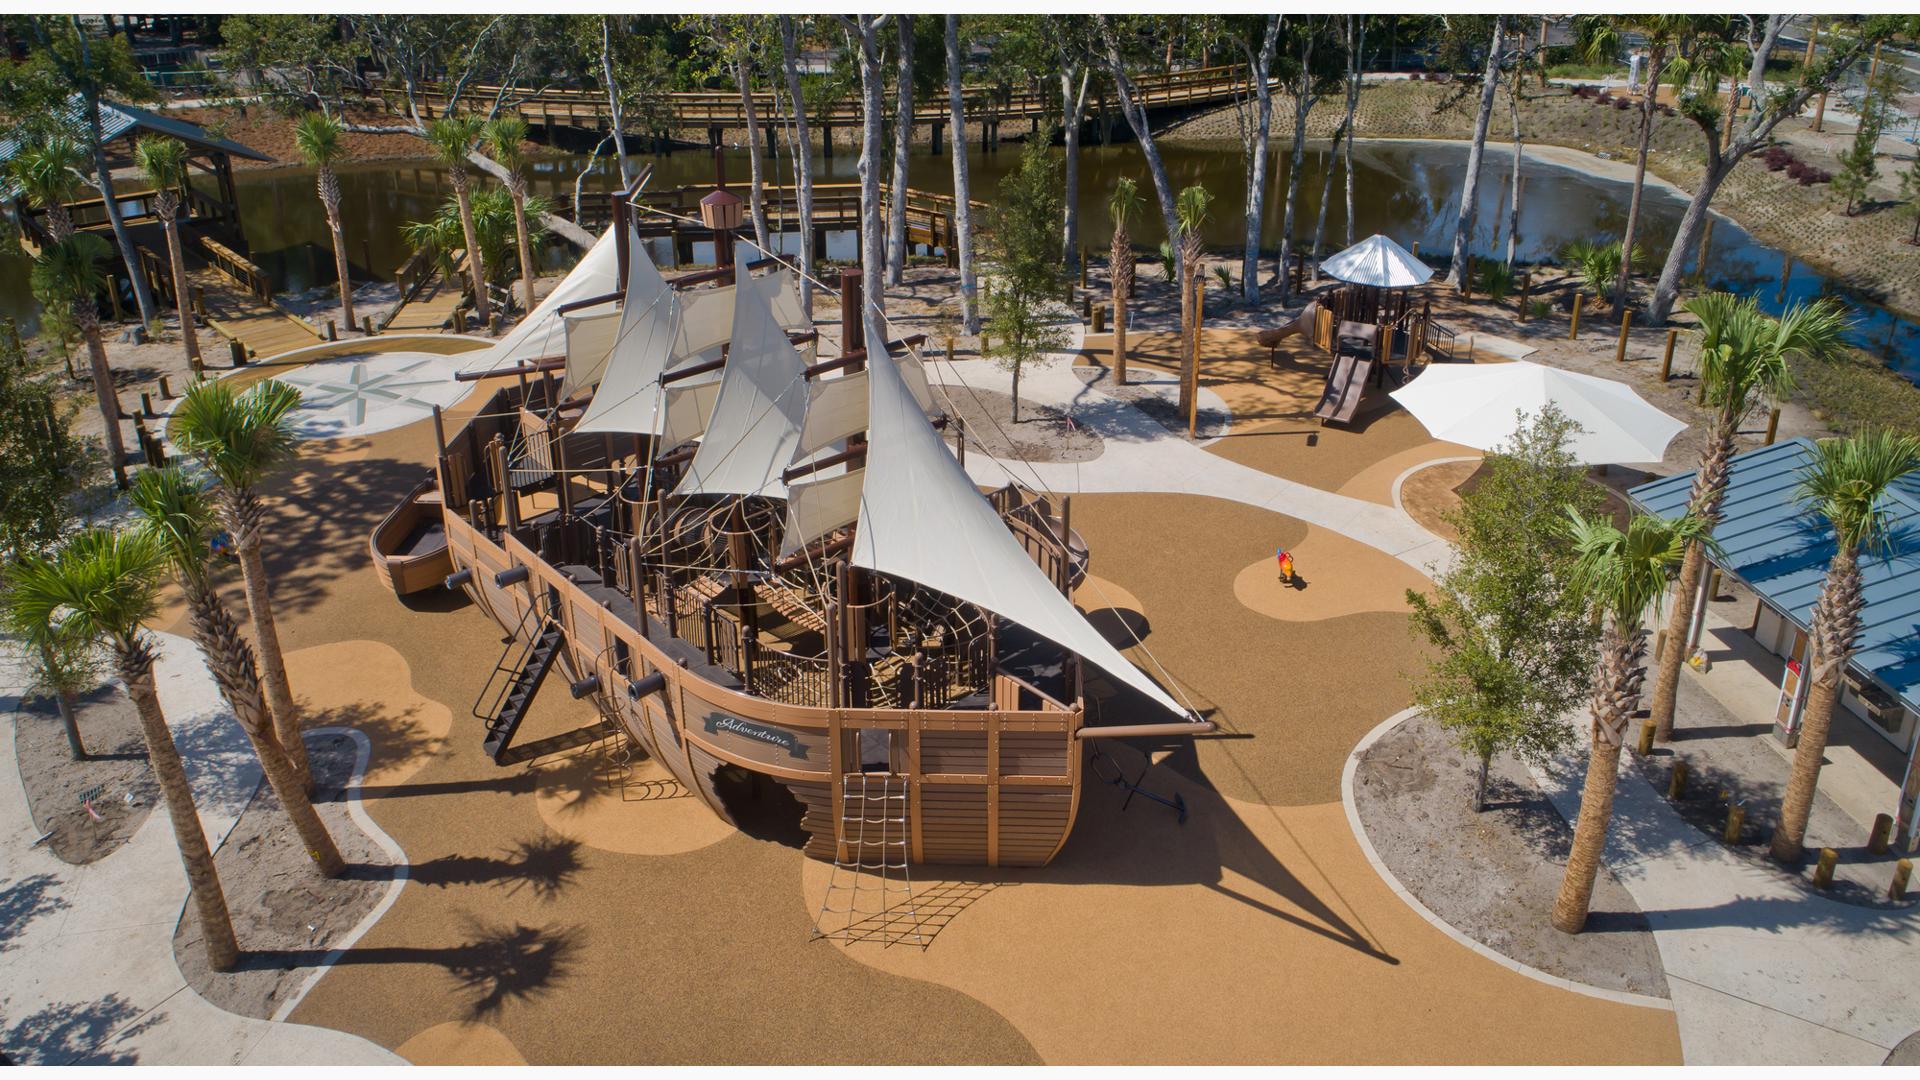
(238,315)
(429,310)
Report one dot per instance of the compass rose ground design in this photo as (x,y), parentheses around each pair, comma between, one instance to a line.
(365,394)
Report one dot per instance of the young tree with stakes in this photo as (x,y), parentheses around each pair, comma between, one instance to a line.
(1515,640)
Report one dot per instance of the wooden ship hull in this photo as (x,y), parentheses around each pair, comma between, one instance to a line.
(860,641)
(997,784)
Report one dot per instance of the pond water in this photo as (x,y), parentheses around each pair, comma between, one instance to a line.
(1407,190)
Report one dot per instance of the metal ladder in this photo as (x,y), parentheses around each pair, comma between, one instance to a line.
(870,879)
(518,675)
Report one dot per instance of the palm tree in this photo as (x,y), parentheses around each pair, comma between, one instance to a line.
(50,175)
(179,515)
(495,220)
(71,268)
(317,136)
(1121,206)
(1192,213)
(1620,574)
(504,136)
(452,138)
(1844,484)
(164,161)
(241,438)
(64,665)
(1744,354)
(105,585)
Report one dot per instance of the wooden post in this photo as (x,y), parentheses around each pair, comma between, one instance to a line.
(1083,266)
(1573,328)
(1902,871)
(238,352)
(1736,818)
(1666,358)
(1677,782)
(1099,318)
(166,388)
(852,297)
(1620,350)
(1882,830)
(1193,390)
(1773,423)
(333,334)
(146,405)
(1526,293)
(1645,746)
(1823,870)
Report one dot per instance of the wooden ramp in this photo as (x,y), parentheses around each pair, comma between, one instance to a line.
(238,315)
(429,311)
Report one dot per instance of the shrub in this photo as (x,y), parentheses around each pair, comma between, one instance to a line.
(1621,104)
(1496,280)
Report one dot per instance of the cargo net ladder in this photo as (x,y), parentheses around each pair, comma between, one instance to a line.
(870,893)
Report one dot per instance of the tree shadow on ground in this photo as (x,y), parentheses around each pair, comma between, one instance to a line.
(25,900)
(496,965)
(74,1033)
(546,865)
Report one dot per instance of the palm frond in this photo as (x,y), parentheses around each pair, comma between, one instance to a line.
(1847,481)
(317,137)
(240,438)
(178,513)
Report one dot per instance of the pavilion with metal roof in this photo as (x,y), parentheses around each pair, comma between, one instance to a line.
(1779,550)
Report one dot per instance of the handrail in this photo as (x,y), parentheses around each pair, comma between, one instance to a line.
(241,270)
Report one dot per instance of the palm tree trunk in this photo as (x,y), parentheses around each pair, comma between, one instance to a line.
(273,665)
(519,191)
(1616,695)
(803,166)
(209,900)
(1710,486)
(103,391)
(1469,190)
(330,200)
(1189,272)
(902,146)
(231,661)
(1836,621)
(476,265)
(962,186)
(182,299)
(1120,272)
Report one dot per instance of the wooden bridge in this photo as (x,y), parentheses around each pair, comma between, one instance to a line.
(717,111)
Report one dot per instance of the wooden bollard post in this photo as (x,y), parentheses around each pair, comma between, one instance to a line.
(1823,870)
(238,352)
(366,324)
(1646,738)
(1083,266)
(1620,350)
(1677,782)
(146,405)
(333,334)
(1736,817)
(1882,831)
(1086,306)
(1100,319)
(166,388)
(200,300)
(1573,328)
(1416,249)
(1773,424)
(1666,358)
(1902,871)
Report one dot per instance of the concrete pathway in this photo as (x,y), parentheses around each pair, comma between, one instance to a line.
(87,973)
(1141,455)
(1761,970)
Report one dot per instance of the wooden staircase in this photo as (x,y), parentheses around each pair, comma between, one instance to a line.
(523,673)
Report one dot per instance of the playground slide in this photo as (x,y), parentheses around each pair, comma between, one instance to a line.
(1346,385)
(1300,324)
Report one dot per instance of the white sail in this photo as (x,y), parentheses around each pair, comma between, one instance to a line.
(754,431)
(542,334)
(921,518)
(590,340)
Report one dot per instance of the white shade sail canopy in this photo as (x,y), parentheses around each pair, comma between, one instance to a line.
(1379,262)
(1479,405)
(754,432)
(542,333)
(922,518)
(590,341)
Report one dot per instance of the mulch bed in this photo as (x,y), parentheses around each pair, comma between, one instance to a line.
(1493,874)
(89,807)
(286,916)
(1043,433)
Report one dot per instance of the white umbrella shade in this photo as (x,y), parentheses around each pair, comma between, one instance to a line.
(1477,405)
(1379,262)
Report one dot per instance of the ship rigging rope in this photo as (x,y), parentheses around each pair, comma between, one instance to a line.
(1173,684)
